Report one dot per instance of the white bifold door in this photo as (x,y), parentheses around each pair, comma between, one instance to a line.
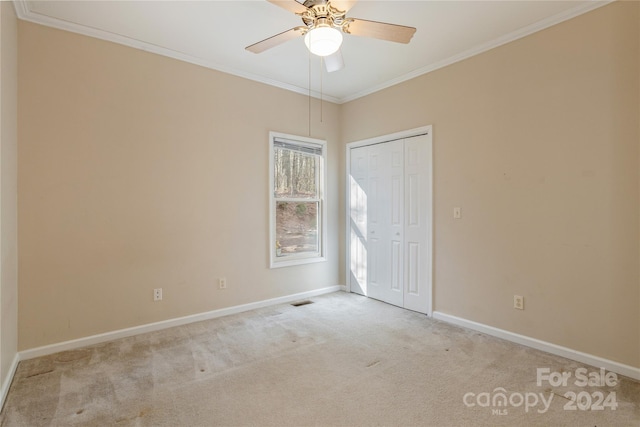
(389,210)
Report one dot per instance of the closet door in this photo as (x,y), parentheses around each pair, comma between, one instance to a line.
(394,224)
(378,217)
(377,220)
(390,222)
(358,219)
(417,227)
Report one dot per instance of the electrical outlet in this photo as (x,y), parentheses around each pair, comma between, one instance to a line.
(222,283)
(518,302)
(157,294)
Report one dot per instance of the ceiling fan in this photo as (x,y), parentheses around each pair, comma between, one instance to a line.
(324,22)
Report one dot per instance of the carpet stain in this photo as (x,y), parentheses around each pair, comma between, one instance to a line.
(40,373)
(72,356)
(372,364)
(140,414)
(560,395)
(301,303)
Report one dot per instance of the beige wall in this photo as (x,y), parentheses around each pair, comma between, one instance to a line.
(136,172)
(537,141)
(8,188)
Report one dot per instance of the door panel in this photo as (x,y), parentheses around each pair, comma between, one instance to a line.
(413,268)
(396,265)
(374,259)
(413,199)
(373,200)
(396,201)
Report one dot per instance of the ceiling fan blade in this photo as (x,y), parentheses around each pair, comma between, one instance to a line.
(343,5)
(291,5)
(380,30)
(265,44)
(334,62)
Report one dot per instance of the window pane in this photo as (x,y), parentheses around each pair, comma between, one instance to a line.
(297,223)
(296,228)
(295,174)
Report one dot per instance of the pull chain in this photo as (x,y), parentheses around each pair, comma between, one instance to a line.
(309,93)
(321,66)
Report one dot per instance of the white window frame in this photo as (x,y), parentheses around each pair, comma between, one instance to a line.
(306,258)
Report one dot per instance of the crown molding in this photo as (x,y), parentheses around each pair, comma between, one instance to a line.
(23,12)
(492,44)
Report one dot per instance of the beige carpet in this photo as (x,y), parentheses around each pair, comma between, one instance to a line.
(344,360)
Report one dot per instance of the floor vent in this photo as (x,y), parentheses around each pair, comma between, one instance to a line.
(298,304)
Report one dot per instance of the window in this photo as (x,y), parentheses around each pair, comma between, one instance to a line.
(297,204)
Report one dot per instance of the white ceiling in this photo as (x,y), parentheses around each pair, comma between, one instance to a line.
(215,33)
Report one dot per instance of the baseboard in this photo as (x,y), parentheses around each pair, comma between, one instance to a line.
(6,384)
(151,327)
(589,359)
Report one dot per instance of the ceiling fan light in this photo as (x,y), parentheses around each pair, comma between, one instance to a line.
(323,41)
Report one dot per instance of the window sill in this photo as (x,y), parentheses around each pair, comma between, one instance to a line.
(296,261)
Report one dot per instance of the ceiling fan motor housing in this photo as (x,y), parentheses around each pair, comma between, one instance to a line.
(321,13)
